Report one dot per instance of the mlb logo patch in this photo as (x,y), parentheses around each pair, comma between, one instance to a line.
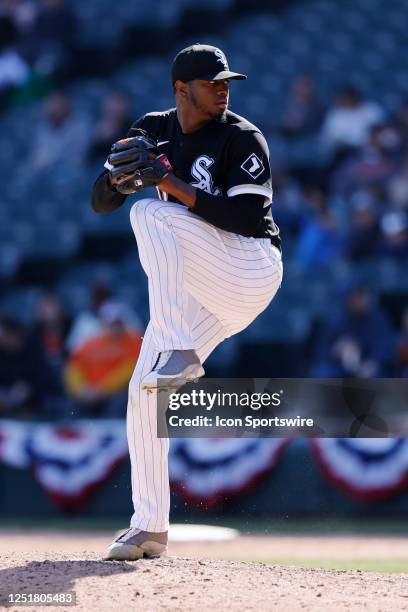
(253,166)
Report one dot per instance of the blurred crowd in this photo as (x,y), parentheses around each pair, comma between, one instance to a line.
(64,136)
(63,367)
(37,42)
(340,173)
(354,204)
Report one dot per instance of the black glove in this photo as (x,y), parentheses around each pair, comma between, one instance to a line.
(149,174)
(135,164)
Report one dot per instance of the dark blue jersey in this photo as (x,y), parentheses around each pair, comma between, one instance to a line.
(227,159)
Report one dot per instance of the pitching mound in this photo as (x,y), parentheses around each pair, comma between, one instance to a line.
(59,563)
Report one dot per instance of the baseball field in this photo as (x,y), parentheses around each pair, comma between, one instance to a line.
(296,569)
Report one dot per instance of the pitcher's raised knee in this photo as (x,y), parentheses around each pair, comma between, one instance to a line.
(141,206)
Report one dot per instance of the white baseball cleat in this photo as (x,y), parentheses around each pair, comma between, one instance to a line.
(133,544)
(173,370)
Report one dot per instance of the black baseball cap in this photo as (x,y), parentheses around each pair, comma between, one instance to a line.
(202,62)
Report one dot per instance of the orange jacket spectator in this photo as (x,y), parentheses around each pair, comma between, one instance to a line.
(104,364)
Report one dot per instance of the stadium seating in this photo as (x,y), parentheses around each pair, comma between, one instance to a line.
(357,41)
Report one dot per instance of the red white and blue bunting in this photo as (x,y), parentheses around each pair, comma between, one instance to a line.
(368,469)
(206,471)
(71,461)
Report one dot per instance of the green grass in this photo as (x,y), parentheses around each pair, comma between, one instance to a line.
(341,525)
(249,525)
(80,523)
(387,566)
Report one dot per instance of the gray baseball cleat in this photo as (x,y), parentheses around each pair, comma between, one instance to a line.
(133,544)
(173,370)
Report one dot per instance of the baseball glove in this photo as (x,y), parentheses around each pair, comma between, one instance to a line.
(135,163)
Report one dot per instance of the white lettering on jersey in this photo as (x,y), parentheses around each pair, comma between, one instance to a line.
(253,166)
(204,181)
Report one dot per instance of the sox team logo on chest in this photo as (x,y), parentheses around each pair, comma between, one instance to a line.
(253,166)
(200,171)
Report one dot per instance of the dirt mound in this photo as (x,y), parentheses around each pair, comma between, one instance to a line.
(184,584)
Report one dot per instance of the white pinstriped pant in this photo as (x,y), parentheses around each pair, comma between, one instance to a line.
(205,285)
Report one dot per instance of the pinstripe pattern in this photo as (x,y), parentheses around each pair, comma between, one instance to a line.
(204,286)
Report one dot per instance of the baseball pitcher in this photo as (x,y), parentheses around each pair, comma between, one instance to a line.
(210,249)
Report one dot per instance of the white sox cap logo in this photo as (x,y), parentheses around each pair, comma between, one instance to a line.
(253,166)
(221,58)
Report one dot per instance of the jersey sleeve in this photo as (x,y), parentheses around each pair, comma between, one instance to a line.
(248,166)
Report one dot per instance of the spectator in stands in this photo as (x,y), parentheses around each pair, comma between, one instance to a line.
(357,342)
(394,229)
(113,124)
(304,110)
(22,372)
(372,164)
(398,184)
(97,374)
(402,120)
(319,241)
(348,123)
(49,332)
(363,239)
(288,203)
(14,72)
(61,137)
(403,347)
(88,323)
(47,339)
(55,29)
(23,14)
